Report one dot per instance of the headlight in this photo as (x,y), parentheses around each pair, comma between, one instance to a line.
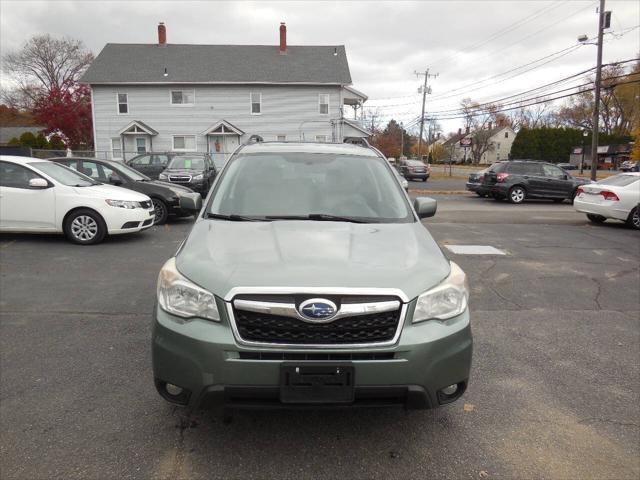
(123,204)
(446,300)
(200,176)
(163,176)
(183,298)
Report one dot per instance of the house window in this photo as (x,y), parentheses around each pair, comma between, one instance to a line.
(141,145)
(183,97)
(116,148)
(323,102)
(256,103)
(497,155)
(498,145)
(506,134)
(321,138)
(184,143)
(282,138)
(123,104)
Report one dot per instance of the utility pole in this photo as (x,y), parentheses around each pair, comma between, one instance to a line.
(401,140)
(596,106)
(426,75)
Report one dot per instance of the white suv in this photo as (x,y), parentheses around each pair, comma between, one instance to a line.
(38,196)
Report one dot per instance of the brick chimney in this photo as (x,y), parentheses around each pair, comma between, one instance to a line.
(283,38)
(162,34)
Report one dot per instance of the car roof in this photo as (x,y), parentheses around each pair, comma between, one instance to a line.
(309,147)
(21,160)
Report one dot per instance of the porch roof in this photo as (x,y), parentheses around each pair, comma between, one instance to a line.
(138,127)
(223,128)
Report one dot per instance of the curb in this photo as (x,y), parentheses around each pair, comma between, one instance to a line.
(440,192)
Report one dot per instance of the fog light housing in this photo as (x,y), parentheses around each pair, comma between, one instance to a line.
(175,390)
(450,390)
(451,393)
(172,393)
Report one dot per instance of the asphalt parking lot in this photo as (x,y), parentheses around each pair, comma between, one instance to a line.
(554,392)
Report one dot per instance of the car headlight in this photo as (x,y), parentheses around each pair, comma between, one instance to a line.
(163,176)
(179,296)
(447,300)
(200,176)
(123,203)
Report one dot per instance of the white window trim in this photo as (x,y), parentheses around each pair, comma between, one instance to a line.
(118,103)
(325,138)
(193,91)
(173,143)
(320,103)
(113,156)
(251,103)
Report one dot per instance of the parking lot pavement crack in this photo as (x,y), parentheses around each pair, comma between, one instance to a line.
(502,297)
(589,421)
(596,297)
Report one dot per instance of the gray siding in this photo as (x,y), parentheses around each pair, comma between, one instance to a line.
(286,110)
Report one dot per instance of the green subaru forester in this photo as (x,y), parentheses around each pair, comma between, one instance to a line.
(308,279)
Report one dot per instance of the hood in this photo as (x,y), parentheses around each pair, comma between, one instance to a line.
(169,185)
(112,192)
(155,186)
(220,255)
(182,171)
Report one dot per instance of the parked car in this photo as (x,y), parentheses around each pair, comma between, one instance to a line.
(190,170)
(629,166)
(474,183)
(414,170)
(615,197)
(402,180)
(518,180)
(309,264)
(567,166)
(165,196)
(150,164)
(39,196)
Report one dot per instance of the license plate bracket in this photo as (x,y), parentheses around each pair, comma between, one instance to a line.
(317,383)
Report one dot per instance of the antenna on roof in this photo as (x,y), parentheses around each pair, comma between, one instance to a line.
(165,74)
(335,51)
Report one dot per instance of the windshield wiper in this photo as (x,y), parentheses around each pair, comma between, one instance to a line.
(233,217)
(316,217)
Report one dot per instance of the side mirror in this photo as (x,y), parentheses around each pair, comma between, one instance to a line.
(425,207)
(191,202)
(115,180)
(38,183)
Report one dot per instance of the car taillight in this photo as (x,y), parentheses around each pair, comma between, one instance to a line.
(501,177)
(609,195)
(481,178)
(579,191)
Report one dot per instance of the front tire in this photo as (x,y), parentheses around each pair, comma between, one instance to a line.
(634,218)
(160,211)
(593,218)
(84,227)
(517,194)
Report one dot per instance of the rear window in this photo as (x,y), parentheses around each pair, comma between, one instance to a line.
(497,167)
(619,180)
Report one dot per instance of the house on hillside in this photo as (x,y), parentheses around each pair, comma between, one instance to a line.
(211,98)
(499,140)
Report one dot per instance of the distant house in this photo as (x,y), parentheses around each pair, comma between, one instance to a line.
(609,156)
(7,133)
(500,141)
(211,98)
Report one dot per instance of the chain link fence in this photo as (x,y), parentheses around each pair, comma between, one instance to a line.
(99,154)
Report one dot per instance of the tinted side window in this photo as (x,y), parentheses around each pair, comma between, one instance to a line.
(143,160)
(519,168)
(551,171)
(97,171)
(159,160)
(15,176)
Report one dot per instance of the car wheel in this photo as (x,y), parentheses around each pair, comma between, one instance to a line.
(595,218)
(634,218)
(85,227)
(160,211)
(517,194)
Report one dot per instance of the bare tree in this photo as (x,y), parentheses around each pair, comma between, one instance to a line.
(478,118)
(44,64)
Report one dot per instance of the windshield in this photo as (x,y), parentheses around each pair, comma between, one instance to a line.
(188,163)
(619,180)
(297,186)
(64,175)
(129,172)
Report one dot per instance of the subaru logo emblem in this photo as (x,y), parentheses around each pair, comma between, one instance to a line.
(317,310)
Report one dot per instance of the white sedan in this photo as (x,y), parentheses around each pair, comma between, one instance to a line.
(38,196)
(616,197)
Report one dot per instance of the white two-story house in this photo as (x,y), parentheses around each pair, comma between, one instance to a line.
(210,98)
(496,144)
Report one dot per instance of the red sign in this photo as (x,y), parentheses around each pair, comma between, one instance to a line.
(465,142)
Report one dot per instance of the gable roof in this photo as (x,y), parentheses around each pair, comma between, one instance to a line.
(202,64)
(137,127)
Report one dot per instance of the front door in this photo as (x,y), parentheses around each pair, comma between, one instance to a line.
(221,147)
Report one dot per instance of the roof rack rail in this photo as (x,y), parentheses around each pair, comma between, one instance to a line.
(254,139)
(363,142)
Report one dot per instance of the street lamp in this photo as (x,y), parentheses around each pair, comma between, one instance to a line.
(585,133)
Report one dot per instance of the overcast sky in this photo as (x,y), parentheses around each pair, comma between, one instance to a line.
(465,42)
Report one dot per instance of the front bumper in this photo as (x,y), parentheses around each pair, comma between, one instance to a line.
(204,358)
(122,220)
(477,188)
(419,176)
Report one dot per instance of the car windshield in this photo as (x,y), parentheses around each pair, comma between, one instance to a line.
(129,172)
(64,174)
(620,180)
(188,163)
(309,186)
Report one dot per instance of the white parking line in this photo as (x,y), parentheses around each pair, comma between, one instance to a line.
(475,250)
